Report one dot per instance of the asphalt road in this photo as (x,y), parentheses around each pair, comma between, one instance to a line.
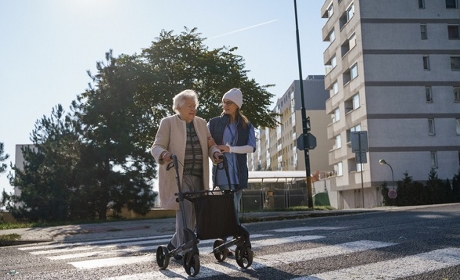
(411,243)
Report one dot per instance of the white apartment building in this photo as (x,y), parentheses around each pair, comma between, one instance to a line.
(393,70)
(277,148)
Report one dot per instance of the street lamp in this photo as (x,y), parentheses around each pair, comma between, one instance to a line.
(383,162)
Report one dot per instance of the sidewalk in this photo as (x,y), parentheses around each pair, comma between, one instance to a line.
(150,227)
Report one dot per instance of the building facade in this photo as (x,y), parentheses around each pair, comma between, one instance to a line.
(392,70)
(277,149)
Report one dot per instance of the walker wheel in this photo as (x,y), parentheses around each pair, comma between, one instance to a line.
(162,257)
(244,256)
(221,254)
(192,263)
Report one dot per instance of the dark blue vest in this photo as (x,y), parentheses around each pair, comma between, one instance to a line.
(216,127)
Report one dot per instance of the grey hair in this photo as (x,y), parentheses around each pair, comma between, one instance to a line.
(180,99)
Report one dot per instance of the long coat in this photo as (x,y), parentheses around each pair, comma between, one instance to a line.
(172,136)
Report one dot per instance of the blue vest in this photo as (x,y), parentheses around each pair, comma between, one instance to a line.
(216,127)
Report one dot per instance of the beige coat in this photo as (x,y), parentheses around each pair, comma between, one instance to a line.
(171,136)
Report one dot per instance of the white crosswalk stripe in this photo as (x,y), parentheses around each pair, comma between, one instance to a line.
(397,268)
(113,253)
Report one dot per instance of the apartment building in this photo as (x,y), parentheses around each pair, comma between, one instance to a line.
(393,70)
(277,149)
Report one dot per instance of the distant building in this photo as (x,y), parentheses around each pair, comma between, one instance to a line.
(277,149)
(393,70)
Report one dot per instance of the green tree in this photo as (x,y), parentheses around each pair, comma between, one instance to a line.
(3,157)
(115,164)
(47,180)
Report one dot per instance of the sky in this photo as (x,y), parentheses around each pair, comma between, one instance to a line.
(47,47)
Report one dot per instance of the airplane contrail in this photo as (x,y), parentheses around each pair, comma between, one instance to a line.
(243,29)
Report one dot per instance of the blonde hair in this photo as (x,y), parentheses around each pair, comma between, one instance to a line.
(180,99)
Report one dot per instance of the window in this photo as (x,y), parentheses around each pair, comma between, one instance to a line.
(451,4)
(423,32)
(336,116)
(339,169)
(431,129)
(457,127)
(354,71)
(331,36)
(434,160)
(457,94)
(350,74)
(352,41)
(330,10)
(356,104)
(335,87)
(428,94)
(421,4)
(426,63)
(453,32)
(338,142)
(347,16)
(455,63)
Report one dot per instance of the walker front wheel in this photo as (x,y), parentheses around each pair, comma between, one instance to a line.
(192,263)
(162,257)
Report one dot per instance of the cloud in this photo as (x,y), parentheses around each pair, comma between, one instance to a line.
(243,29)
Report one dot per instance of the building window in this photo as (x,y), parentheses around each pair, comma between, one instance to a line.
(451,4)
(434,160)
(456,94)
(339,169)
(428,94)
(431,129)
(455,63)
(335,87)
(330,37)
(356,104)
(338,142)
(426,63)
(423,32)
(354,71)
(336,116)
(421,4)
(347,16)
(457,127)
(330,10)
(453,32)
(458,158)
(352,41)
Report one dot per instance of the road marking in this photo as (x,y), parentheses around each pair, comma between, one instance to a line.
(98,242)
(216,269)
(294,229)
(396,268)
(115,261)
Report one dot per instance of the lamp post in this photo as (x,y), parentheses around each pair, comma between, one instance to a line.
(391,193)
(305,120)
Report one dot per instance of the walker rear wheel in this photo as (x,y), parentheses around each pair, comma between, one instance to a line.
(221,254)
(244,256)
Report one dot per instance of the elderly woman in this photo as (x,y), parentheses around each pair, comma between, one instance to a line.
(186,136)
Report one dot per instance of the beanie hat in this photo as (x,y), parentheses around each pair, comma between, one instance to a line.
(234,95)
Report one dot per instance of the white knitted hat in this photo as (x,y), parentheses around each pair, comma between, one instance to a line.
(234,95)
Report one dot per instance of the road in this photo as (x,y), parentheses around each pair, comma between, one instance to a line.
(411,244)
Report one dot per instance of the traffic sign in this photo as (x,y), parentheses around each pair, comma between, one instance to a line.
(306,141)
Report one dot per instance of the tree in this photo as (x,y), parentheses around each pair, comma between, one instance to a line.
(97,157)
(3,157)
(116,166)
(47,180)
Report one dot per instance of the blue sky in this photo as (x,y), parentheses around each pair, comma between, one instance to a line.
(47,46)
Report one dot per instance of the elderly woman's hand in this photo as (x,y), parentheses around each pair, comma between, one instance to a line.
(166,156)
(217,157)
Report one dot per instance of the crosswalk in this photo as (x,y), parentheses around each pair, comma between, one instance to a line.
(114,253)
